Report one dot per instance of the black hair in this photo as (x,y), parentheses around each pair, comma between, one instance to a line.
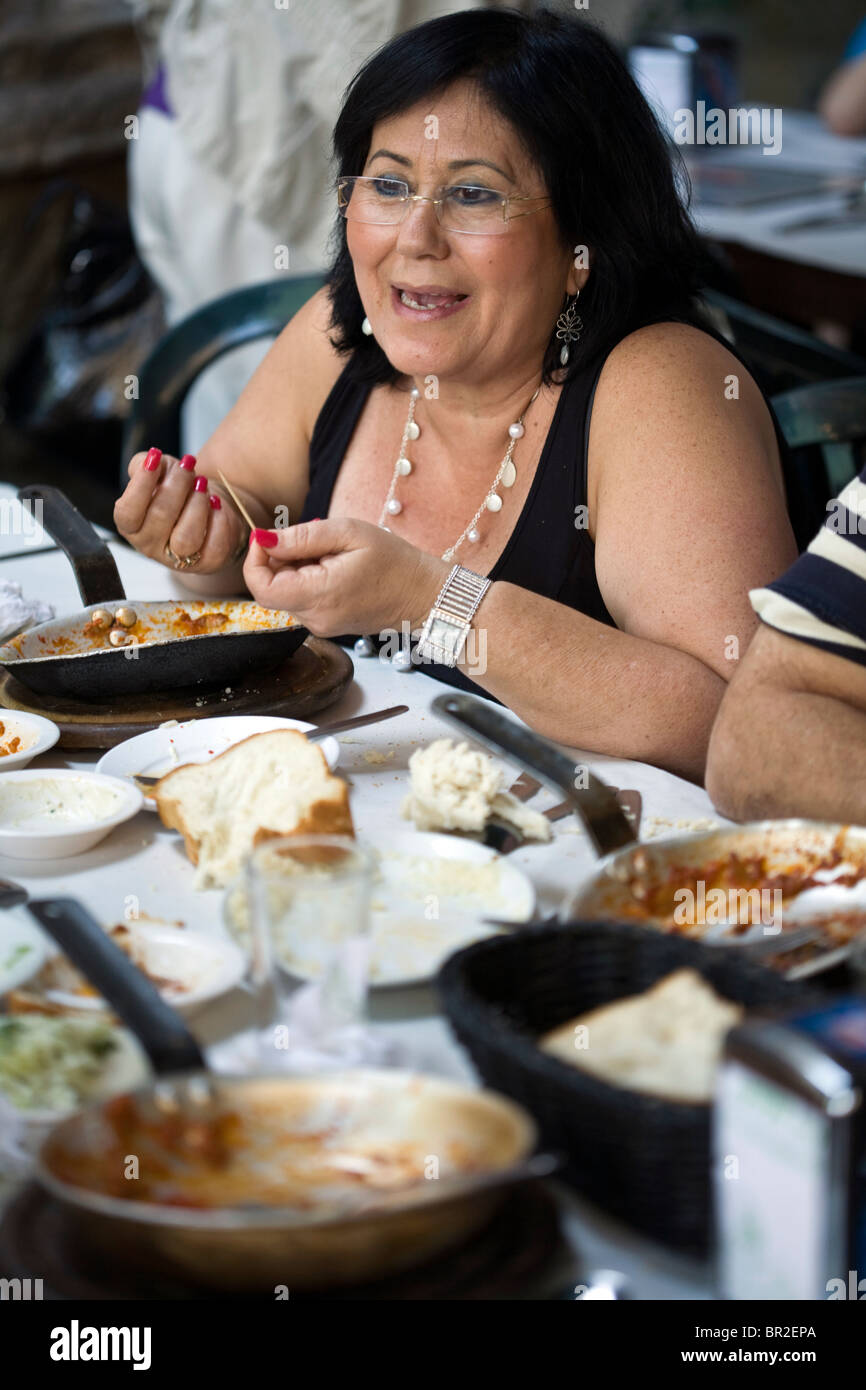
(607,166)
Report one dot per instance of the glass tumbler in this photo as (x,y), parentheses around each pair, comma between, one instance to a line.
(309,900)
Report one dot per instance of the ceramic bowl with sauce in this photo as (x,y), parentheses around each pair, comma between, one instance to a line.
(23,737)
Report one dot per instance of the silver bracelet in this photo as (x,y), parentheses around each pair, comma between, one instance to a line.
(447,625)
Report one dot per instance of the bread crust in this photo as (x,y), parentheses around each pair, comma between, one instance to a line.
(323,817)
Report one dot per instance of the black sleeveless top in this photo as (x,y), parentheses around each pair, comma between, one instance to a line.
(550,551)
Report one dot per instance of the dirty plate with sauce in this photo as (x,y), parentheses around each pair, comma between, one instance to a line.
(189,968)
(23,737)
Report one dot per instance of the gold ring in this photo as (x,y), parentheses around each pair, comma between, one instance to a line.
(182,562)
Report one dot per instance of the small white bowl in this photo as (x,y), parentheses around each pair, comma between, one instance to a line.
(58,812)
(37,735)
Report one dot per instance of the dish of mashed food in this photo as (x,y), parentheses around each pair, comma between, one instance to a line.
(56,1063)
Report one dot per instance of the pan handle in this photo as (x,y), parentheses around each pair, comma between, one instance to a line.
(95,570)
(596,803)
(162,1032)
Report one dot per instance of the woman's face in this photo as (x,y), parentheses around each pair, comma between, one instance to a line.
(513,284)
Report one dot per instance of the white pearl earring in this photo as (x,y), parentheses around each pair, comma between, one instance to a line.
(367,328)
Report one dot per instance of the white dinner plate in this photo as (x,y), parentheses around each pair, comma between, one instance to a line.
(189,967)
(196,741)
(419,917)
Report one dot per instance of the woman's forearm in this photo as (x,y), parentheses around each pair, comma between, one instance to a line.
(591,686)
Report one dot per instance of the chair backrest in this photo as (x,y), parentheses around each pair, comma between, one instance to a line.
(824,426)
(255,311)
(780,355)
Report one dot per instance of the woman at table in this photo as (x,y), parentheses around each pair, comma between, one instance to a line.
(512,263)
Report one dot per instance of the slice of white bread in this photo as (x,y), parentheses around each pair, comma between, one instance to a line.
(455,787)
(274,783)
(666,1042)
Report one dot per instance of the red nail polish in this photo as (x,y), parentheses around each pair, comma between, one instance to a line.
(200,485)
(151,463)
(215,502)
(266,538)
(188,462)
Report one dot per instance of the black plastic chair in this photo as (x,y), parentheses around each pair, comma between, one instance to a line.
(824,426)
(256,311)
(780,355)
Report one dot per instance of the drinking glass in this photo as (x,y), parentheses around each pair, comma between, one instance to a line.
(309,914)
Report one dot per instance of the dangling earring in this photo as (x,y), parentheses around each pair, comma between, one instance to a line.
(367,328)
(569,327)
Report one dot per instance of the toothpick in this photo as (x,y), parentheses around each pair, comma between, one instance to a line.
(237,501)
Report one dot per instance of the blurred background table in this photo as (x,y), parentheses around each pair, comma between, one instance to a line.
(770,263)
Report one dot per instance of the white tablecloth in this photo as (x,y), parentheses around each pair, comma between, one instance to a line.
(145,860)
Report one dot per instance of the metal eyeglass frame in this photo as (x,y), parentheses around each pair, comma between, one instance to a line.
(437,203)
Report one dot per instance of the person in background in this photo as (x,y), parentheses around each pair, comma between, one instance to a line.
(790,737)
(842,103)
(228,175)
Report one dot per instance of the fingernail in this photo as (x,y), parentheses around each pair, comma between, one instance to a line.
(266,538)
(151,463)
(188,462)
(215,502)
(200,485)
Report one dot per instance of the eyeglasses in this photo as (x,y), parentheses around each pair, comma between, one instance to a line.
(384,202)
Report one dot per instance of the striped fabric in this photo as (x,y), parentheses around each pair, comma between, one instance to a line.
(821,599)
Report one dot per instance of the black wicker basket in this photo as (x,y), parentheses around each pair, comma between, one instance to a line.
(644,1159)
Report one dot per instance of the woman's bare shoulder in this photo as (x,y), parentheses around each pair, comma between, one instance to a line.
(305,356)
(673,381)
(684,360)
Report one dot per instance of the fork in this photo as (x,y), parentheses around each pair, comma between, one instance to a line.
(505,838)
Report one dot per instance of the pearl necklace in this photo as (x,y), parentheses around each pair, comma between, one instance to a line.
(506,476)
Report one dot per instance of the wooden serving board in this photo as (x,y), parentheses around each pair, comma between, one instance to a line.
(314,677)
